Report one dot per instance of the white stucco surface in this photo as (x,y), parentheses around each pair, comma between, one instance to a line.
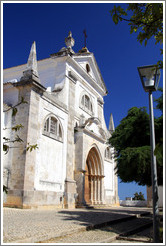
(51,155)
(109,178)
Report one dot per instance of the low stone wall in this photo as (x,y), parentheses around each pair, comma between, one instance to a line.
(133,203)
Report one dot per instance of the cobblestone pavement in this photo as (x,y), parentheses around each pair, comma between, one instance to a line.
(92,236)
(108,234)
(29,226)
(102,235)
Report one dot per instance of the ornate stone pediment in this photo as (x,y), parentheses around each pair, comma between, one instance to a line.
(88,62)
(93,125)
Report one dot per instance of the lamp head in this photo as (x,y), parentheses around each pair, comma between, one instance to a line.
(150,76)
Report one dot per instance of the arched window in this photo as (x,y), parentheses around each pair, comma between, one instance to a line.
(86,104)
(52,128)
(108,154)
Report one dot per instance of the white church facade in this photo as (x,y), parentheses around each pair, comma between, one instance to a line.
(73,165)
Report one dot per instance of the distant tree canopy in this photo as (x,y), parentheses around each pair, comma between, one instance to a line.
(131,141)
(139,196)
(146,19)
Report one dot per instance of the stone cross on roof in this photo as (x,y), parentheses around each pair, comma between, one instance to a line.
(85,35)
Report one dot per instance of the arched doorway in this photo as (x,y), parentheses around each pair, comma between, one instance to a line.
(93,178)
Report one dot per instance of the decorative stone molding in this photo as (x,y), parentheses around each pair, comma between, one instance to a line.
(100,101)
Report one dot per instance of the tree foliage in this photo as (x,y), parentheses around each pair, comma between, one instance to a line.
(159,101)
(131,141)
(145,19)
(139,196)
(159,131)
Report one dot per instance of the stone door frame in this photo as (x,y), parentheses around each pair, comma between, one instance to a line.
(94,176)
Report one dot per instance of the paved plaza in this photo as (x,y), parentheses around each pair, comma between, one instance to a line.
(30,226)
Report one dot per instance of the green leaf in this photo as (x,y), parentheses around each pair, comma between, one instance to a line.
(146,19)
(6,139)
(18,139)
(14,111)
(23,101)
(115,19)
(5,148)
(31,147)
(17,127)
(5,189)
(131,30)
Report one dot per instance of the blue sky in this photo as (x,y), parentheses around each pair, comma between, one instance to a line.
(117,52)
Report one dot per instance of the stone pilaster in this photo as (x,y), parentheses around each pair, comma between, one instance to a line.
(32,138)
(91,177)
(101,200)
(23,161)
(70,184)
(94,189)
(98,190)
(80,180)
(16,183)
(102,190)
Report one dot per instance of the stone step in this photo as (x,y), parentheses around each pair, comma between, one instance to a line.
(86,206)
(90,206)
(108,233)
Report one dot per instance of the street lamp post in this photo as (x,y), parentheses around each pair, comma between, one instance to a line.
(150,76)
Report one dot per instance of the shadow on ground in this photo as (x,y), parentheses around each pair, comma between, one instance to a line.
(106,219)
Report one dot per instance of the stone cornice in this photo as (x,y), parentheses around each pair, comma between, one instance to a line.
(30,82)
(70,180)
(45,95)
(92,134)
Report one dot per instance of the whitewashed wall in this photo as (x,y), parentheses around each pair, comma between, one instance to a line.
(133,203)
(51,154)
(109,178)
